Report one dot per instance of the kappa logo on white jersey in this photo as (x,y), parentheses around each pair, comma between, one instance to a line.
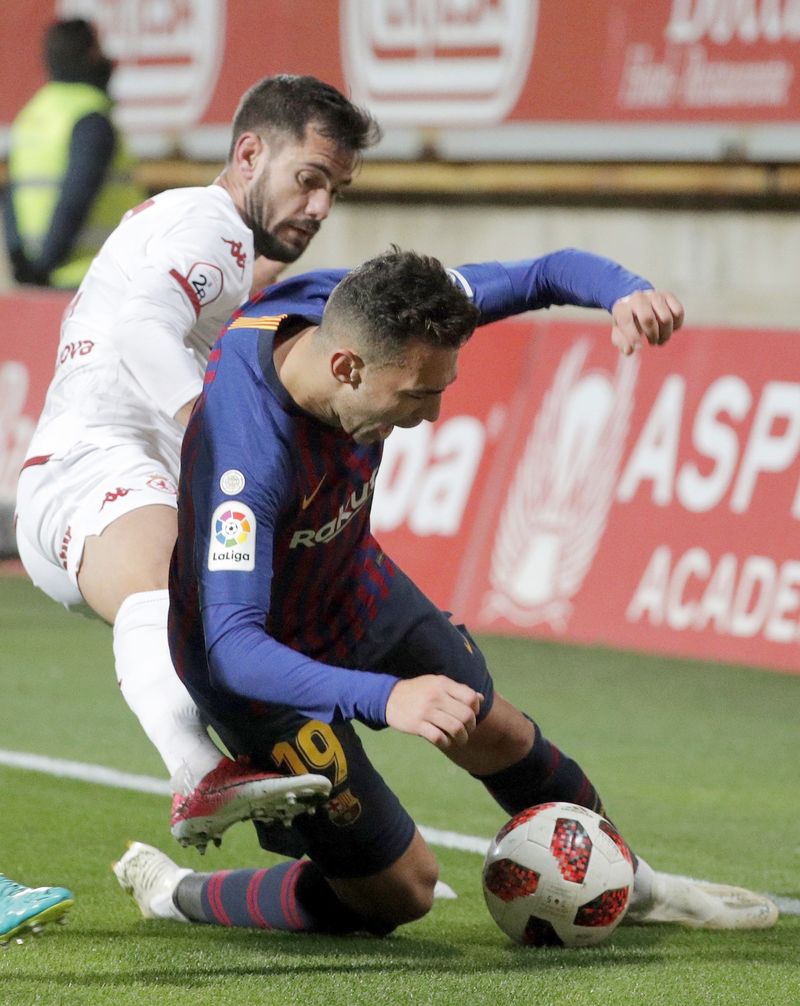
(233,537)
(559,499)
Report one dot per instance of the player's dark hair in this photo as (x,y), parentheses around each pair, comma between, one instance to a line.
(287,103)
(72,53)
(401,297)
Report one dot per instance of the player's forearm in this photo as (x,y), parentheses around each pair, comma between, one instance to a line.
(569,276)
(248,662)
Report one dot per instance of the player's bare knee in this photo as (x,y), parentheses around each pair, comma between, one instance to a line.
(399,895)
(412,901)
(421,900)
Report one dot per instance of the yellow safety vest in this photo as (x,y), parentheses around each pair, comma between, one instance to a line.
(37,163)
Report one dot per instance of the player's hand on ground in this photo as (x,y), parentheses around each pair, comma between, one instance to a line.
(647,314)
(434,707)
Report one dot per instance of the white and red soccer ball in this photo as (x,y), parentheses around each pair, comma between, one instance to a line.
(558,875)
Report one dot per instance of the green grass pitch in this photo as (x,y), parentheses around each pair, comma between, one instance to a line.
(697,764)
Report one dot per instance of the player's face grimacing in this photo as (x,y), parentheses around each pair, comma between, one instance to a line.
(380,397)
(293,191)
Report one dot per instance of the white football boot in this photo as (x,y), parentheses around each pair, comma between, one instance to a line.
(699,904)
(150,877)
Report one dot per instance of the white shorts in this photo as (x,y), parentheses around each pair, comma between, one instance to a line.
(61,501)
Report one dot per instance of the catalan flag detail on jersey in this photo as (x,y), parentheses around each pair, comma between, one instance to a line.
(276,576)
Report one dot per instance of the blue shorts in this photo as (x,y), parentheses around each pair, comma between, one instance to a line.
(365,828)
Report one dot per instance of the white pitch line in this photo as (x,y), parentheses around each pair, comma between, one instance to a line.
(786,906)
(102,776)
(98,774)
(453,840)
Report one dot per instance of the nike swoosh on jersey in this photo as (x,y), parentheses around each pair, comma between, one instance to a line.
(308,500)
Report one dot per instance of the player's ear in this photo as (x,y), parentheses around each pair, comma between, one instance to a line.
(346,367)
(246,153)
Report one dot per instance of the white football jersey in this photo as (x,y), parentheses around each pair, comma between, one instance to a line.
(136,337)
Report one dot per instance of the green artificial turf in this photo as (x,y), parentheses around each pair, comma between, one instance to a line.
(697,764)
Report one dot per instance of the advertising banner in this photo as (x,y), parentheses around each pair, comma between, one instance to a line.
(649,503)
(29,325)
(531,75)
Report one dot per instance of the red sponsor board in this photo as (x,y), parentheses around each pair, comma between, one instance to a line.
(649,503)
(29,325)
(564,60)
(183,64)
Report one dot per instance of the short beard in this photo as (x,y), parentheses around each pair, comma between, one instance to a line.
(264,242)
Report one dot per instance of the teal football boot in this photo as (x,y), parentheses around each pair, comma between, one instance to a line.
(28,909)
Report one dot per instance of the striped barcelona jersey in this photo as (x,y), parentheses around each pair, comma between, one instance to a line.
(276,574)
(274,511)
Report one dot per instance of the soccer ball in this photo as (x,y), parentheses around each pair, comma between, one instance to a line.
(558,875)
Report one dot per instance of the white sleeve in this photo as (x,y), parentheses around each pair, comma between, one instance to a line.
(191,275)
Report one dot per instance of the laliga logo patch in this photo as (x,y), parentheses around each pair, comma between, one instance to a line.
(233,537)
(232,528)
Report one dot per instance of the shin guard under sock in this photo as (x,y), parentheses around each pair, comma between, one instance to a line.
(545,774)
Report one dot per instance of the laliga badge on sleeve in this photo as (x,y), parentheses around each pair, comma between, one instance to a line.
(233,538)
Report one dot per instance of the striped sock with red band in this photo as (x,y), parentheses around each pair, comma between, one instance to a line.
(291,897)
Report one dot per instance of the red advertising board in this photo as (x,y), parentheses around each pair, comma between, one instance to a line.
(442,64)
(29,325)
(650,503)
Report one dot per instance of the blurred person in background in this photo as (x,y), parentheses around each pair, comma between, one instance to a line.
(70,174)
(69,184)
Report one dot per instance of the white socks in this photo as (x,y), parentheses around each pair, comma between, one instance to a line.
(155,693)
(643,881)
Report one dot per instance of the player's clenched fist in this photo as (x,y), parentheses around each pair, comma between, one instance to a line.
(648,314)
(434,707)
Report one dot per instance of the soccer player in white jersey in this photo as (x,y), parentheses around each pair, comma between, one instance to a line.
(96,502)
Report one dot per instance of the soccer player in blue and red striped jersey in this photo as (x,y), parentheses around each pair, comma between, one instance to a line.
(288,621)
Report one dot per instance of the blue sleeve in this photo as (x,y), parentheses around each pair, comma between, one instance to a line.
(570,276)
(246,660)
(240,429)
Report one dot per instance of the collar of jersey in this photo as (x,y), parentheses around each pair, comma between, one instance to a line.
(266,343)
